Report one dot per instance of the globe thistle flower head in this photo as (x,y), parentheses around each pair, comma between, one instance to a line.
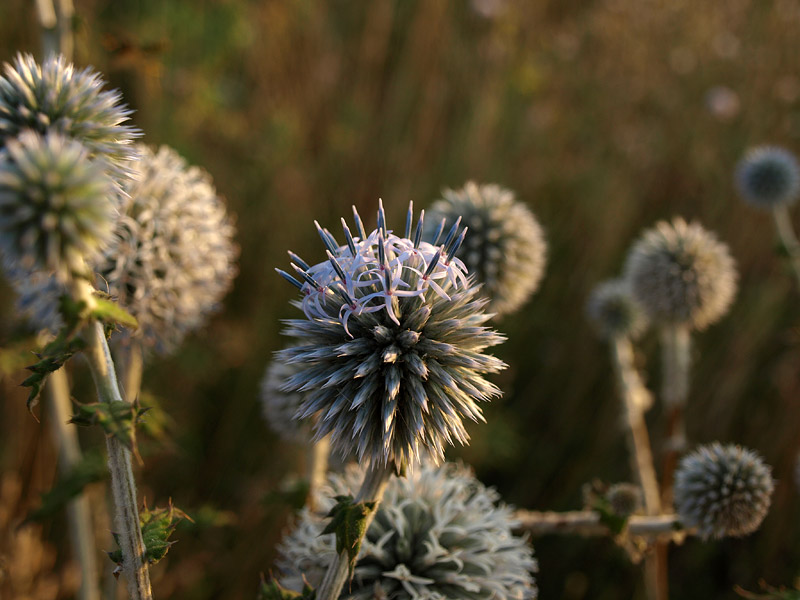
(278,406)
(172,258)
(681,274)
(614,312)
(56,209)
(390,353)
(624,498)
(506,249)
(438,533)
(55,96)
(768,176)
(723,490)
(38,294)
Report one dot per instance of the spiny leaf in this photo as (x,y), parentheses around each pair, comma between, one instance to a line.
(157,526)
(52,358)
(90,469)
(272,590)
(110,313)
(118,419)
(349,523)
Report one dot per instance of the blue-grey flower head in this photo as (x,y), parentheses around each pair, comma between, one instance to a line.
(613,310)
(681,274)
(723,490)
(278,406)
(624,498)
(38,294)
(768,176)
(56,204)
(506,249)
(58,97)
(438,533)
(391,352)
(173,256)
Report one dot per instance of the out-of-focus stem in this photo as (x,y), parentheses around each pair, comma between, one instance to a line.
(587,523)
(55,19)
(133,362)
(317,469)
(783,223)
(78,510)
(675,348)
(372,489)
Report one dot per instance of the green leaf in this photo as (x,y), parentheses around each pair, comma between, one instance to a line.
(615,522)
(118,419)
(272,590)
(349,523)
(157,526)
(52,358)
(90,469)
(112,313)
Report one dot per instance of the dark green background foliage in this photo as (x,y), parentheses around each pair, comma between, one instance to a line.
(599,114)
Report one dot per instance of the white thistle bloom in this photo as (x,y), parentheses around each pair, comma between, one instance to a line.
(278,406)
(38,294)
(506,249)
(438,533)
(173,256)
(390,354)
(613,310)
(768,176)
(723,490)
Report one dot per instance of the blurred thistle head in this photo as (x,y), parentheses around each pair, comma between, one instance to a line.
(613,310)
(172,258)
(55,96)
(391,352)
(56,207)
(38,294)
(723,490)
(768,176)
(438,533)
(505,251)
(278,406)
(624,498)
(681,274)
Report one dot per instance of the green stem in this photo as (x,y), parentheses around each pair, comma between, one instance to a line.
(317,469)
(78,510)
(587,523)
(675,345)
(372,489)
(783,223)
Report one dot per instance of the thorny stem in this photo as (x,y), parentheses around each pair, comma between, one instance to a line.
(783,223)
(372,489)
(587,523)
(123,485)
(318,455)
(78,509)
(675,346)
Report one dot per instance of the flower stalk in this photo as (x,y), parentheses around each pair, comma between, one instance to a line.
(675,344)
(318,456)
(783,224)
(588,523)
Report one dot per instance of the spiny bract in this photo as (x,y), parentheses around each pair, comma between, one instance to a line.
(438,533)
(681,274)
(279,407)
(723,490)
(768,176)
(613,310)
(506,250)
(57,97)
(56,207)
(173,256)
(391,351)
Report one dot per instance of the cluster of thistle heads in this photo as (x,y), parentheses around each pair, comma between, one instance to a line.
(81,197)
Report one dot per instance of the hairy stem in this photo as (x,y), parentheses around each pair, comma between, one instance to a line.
(372,489)
(783,223)
(587,523)
(317,469)
(78,510)
(675,346)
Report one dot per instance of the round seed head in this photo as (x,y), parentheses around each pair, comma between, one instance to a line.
(391,352)
(624,498)
(614,312)
(505,250)
(56,207)
(768,176)
(278,406)
(681,274)
(172,258)
(38,294)
(723,490)
(438,533)
(57,97)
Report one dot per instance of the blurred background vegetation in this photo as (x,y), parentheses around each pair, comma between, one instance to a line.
(604,116)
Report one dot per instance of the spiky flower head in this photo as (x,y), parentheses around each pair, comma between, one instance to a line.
(723,490)
(768,176)
(681,274)
(506,249)
(173,256)
(390,353)
(613,310)
(278,406)
(58,97)
(56,208)
(624,498)
(438,533)
(38,294)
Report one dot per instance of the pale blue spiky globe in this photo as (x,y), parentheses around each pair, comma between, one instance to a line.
(768,176)
(614,312)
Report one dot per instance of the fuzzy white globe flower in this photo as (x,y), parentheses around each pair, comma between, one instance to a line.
(58,97)
(506,249)
(278,406)
(38,294)
(438,533)
(768,176)
(390,353)
(681,274)
(613,310)
(56,207)
(723,490)
(172,258)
